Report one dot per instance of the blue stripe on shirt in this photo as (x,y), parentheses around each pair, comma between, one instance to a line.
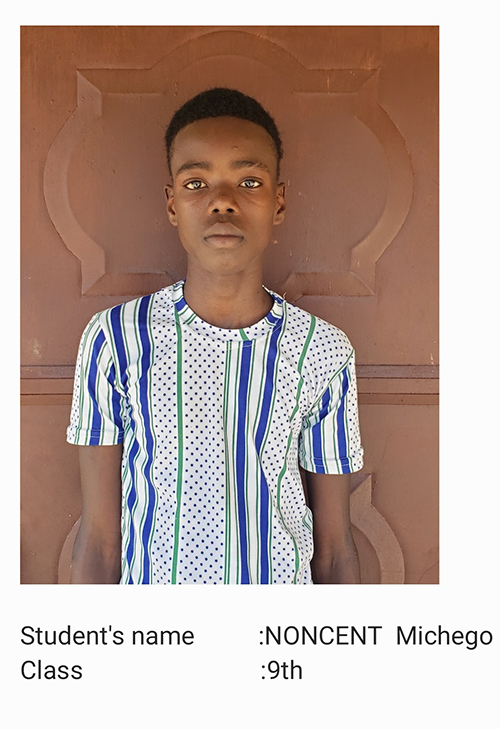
(116,325)
(143,321)
(131,501)
(246,358)
(259,437)
(342,438)
(115,401)
(95,436)
(316,433)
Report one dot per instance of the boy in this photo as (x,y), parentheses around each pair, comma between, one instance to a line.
(196,403)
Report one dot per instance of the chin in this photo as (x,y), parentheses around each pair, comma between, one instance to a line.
(224,266)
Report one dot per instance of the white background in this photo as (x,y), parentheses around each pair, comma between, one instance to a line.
(218,680)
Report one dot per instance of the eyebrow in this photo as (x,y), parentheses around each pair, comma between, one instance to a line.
(193,166)
(237,165)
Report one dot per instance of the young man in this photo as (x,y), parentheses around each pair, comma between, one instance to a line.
(196,404)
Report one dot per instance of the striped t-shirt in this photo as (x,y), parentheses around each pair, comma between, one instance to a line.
(214,423)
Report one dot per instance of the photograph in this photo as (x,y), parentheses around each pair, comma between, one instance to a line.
(230,305)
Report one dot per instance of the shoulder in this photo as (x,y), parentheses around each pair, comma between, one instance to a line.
(324,348)
(320,334)
(125,318)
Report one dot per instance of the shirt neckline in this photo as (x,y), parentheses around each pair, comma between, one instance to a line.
(187,317)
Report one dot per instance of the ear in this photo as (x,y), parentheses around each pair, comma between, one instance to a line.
(279,213)
(169,194)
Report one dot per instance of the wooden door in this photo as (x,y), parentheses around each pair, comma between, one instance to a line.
(357,108)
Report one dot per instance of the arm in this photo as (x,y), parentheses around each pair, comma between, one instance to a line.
(97,549)
(335,559)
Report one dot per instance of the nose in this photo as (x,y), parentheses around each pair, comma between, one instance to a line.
(223,201)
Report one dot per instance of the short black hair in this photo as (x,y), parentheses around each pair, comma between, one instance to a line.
(217,102)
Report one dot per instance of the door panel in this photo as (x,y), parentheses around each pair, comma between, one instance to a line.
(357,108)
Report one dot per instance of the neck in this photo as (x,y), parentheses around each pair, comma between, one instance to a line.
(227,301)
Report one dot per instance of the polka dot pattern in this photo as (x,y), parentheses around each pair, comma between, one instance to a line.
(230,414)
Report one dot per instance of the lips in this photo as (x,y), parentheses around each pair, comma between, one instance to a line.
(223,230)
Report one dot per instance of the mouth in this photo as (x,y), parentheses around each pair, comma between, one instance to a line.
(225,240)
(223,235)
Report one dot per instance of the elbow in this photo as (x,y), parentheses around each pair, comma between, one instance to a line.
(96,557)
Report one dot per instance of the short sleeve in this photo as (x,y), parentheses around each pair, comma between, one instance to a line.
(330,440)
(98,408)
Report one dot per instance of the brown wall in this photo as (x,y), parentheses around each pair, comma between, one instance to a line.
(357,108)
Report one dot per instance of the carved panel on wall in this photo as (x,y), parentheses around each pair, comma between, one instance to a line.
(105,172)
(378,532)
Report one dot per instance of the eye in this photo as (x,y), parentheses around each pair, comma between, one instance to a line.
(250,184)
(195,185)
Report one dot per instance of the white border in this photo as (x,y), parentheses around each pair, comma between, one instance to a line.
(219,679)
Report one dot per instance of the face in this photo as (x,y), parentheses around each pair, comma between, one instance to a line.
(225,198)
